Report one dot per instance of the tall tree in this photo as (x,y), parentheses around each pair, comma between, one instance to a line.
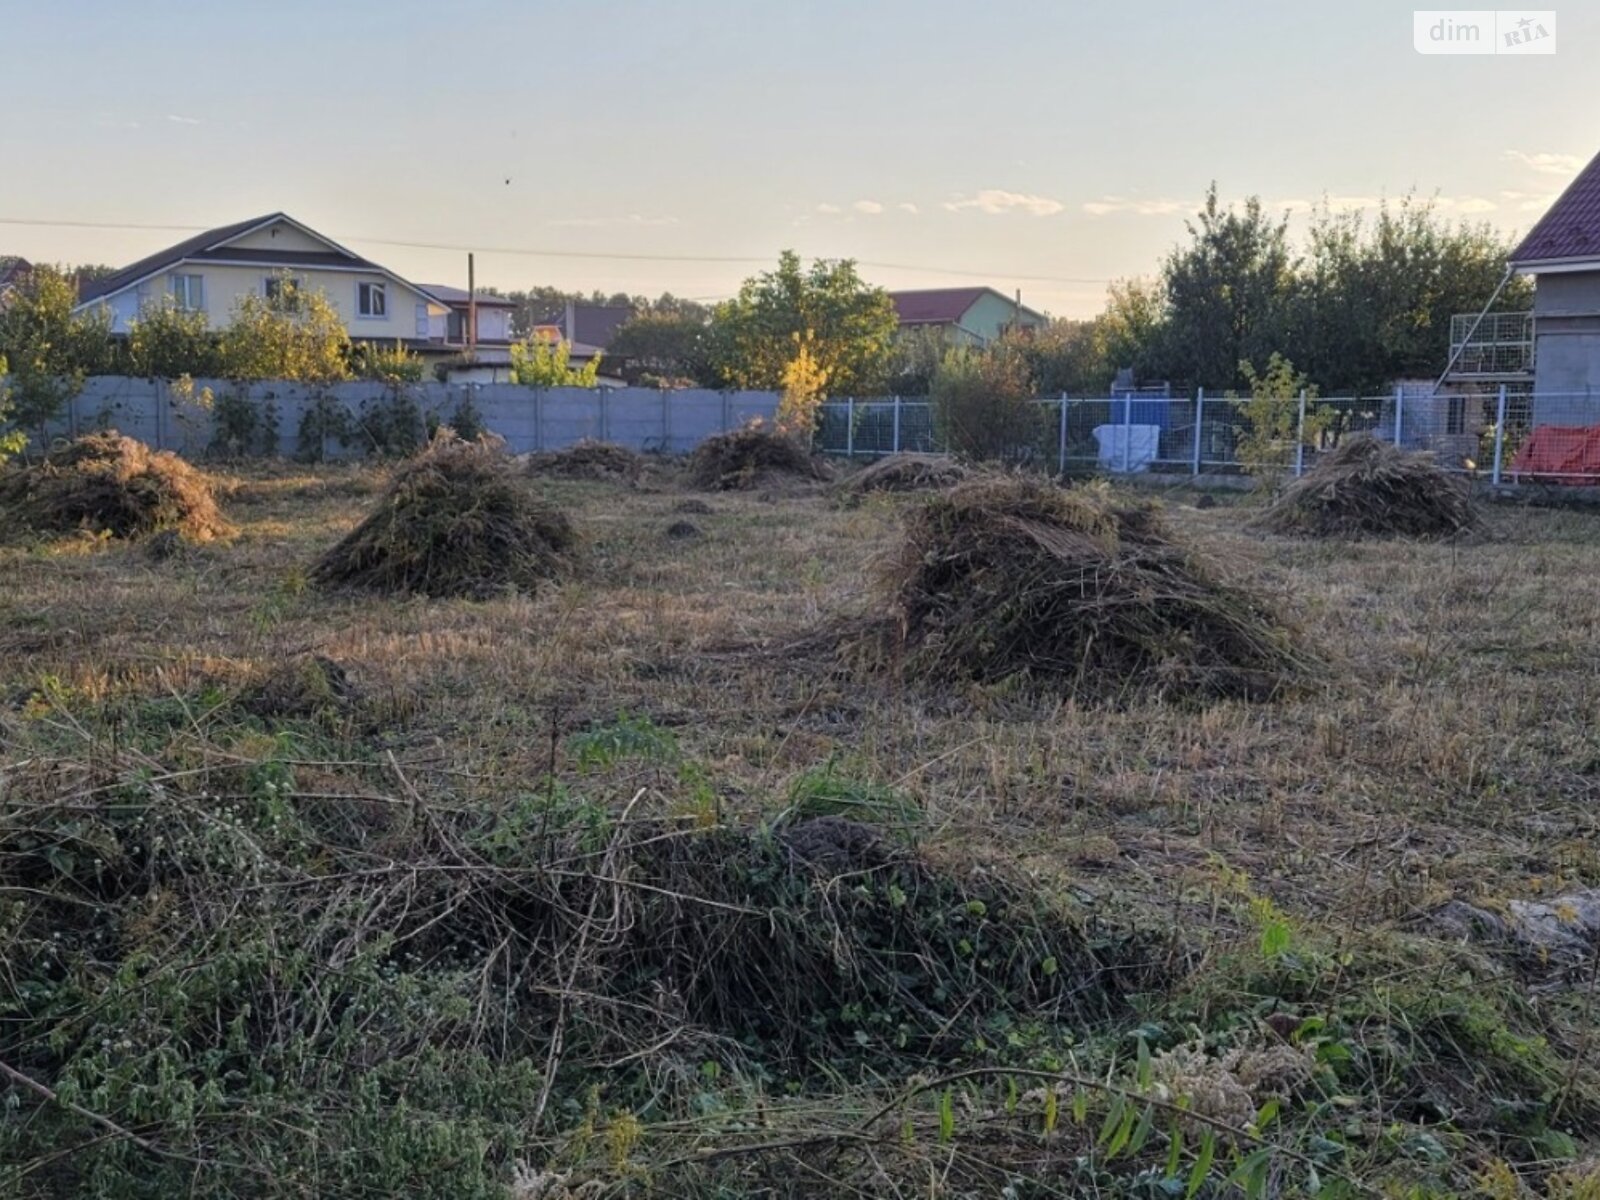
(50,348)
(663,347)
(1227,294)
(845,325)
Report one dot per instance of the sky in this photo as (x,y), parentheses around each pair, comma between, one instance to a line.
(1043,145)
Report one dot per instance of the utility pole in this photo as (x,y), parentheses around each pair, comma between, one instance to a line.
(472,308)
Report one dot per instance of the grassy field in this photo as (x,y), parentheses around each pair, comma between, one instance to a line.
(313,894)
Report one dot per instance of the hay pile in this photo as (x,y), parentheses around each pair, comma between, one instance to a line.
(906,472)
(1366,486)
(604,462)
(1009,576)
(456,520)
(749,457)
(109,484)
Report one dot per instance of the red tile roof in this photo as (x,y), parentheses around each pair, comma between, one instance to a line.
(935,306)
(1571,229)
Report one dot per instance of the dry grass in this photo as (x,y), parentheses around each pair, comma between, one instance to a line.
(753,456)
(604,462)
(1369,487)
(906,472)
(1082,592)
(1447,751)
(455,521)
(104,483)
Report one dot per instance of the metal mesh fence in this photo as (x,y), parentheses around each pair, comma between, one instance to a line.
(1505,434)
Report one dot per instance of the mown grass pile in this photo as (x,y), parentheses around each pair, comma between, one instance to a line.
(456,520)
(905,472)
(1367,486)
(105,483)
(275,987)
(750,457)
(1010,576)
(603,462)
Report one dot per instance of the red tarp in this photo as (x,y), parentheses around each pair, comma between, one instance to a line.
(1567,454)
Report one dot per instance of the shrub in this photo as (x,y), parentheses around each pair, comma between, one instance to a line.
(983,406)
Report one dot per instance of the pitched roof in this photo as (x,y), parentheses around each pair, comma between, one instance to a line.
(594,325)
(212,246)
(453,295)
(1571,229)
(935,306)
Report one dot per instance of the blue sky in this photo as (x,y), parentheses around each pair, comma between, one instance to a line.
(1043,145)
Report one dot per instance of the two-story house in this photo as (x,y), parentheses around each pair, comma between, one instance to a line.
(966,316)
(479,353)
(209,272)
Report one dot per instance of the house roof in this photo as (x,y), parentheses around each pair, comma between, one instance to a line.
(594,325)
(935,306)
(212,246)
(454,295)
(1571,229)
(12,268)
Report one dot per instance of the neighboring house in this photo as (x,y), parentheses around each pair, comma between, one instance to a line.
(13,271)
(485,358)
(209,272)
(586,328)
(970,316)
(1562,253)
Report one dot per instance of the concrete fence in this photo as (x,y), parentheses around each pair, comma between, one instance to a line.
(298,420)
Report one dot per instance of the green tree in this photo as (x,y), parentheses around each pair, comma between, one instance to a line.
(165,342)
(1374,299)
(847,325)
(663,348)
(11,440)
(51,349)
(294,334)
(1227,295)
(540,363)
(914,359)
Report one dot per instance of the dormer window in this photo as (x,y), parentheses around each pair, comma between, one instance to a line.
(372,300)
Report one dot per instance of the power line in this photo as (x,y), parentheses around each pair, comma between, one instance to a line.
(723,260)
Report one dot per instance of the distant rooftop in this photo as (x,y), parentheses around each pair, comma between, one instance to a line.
(446,294)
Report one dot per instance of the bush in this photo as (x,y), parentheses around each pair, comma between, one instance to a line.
(984,408)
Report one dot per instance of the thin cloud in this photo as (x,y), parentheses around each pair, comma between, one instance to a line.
(1141,208)
(1545,163)
(632,219)
(1529,201)
(906,206)
(829,210)
(178,119)
(996,202)
(870,208)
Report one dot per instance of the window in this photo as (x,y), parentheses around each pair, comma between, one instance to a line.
(371,300)
(188,294)
(283,291)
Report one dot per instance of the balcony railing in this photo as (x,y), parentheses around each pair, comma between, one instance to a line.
(1491,345)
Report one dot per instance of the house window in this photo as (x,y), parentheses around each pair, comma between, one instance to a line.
(188,294)
(283,291)
(371,300)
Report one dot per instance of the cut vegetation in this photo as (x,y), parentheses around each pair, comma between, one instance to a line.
(1080,592)
(1369,487)
(750,457)
(456,520)
(905,473)
(602,462)
(104,483)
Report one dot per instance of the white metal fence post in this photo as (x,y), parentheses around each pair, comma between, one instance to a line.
(1399,408)
(1499,434)
(1061,444)
(850,427)
(1300,438)
(897,425)
(1199,425)
(1127,435)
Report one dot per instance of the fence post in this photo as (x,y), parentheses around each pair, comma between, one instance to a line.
(1199,425)
(1399,407)
(1127,435)
(1499,434)
(1300,438)
(1061,453)
(850,427)
(897,425)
